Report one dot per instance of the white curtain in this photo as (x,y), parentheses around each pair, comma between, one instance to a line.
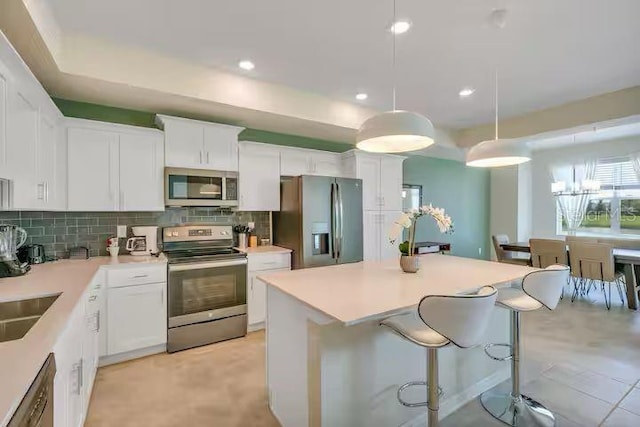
(573,208)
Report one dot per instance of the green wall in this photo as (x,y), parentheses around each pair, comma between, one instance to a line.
(464,194)
(462,191)
(84,110)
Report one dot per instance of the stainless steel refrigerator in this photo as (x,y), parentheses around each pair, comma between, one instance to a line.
(320,220)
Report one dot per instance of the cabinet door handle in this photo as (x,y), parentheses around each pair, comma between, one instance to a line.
(40,191)
(98,321)
(208,162)
(200,156)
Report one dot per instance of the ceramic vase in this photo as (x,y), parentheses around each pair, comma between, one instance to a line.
(410,264)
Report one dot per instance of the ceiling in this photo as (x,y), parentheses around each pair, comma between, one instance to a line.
(550,52)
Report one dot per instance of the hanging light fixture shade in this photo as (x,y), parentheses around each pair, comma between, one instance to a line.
(395,132)
(498,152)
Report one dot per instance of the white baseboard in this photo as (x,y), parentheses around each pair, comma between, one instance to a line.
(130,355)
(450,404)
(255,327)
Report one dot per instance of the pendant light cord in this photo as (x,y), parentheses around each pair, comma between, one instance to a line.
(394,55)
(496,102)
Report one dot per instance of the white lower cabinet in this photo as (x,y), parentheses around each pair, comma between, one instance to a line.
(118,313)
(376,228)
(137,317)
(76,354)
(260,264)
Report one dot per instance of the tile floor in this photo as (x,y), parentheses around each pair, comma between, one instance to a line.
(581,360)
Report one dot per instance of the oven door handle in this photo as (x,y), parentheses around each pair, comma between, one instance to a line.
(203,265)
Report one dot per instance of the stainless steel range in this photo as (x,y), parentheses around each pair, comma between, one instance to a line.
(207,286)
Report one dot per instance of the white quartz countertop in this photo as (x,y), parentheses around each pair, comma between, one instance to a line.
(354,293)
(269,249)
(20,360)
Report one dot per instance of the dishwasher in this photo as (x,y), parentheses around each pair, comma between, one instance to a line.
(36,408)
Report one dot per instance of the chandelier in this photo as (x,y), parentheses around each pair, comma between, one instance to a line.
(575,188)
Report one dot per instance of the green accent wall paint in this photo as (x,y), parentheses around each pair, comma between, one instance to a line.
(103,113)
(464,194)
(85,110)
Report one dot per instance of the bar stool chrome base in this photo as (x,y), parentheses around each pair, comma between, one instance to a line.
(517,411)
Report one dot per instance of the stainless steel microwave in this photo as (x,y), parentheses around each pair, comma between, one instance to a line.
(199,187)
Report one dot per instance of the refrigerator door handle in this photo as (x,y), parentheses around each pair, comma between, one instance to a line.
(334,219)
(340,220)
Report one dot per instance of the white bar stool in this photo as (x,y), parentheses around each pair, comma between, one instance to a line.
(439,321)
(539,288)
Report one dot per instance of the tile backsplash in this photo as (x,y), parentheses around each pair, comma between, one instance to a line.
(59,231)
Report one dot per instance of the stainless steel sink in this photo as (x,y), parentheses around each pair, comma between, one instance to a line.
(17,317)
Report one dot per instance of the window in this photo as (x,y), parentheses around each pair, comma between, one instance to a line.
(616,208)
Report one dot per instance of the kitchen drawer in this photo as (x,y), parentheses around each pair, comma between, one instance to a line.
(138,275)
(259,262)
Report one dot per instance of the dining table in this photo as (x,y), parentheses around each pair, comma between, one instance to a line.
(628,258)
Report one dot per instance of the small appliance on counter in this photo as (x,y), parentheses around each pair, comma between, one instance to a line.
(144,241)
(32,254)
(79,252)
(11,239)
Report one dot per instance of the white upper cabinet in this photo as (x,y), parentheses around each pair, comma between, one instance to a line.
(29,135)
(141,172)
(381,179)
(300,161)
(294,162)
(221,147)
(199,145)
(114,167)
(391,183)
(259,177)
(326,164)
(92,170)
(369,172)
(21,151)
(48,164)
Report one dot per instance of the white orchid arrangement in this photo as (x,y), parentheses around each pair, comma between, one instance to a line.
(409,220)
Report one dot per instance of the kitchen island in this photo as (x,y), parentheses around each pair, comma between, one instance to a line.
(329,363)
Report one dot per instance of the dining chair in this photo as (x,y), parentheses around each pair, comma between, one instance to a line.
(593,262)
(546,252)
(506,256)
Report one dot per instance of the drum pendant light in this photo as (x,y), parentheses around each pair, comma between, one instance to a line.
(498,152)
(395,131)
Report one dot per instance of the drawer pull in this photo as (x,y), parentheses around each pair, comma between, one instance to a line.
(92,298)
(140,276)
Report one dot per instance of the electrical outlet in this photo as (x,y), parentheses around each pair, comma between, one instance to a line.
(251,224)
(122,231)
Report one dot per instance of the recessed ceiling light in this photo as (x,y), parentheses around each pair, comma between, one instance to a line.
(467,91)
(361,96)
(246,65)
(400,27)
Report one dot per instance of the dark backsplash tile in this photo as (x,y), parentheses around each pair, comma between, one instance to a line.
(60,231)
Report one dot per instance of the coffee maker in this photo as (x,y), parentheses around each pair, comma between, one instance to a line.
(144,242)
(11,238)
